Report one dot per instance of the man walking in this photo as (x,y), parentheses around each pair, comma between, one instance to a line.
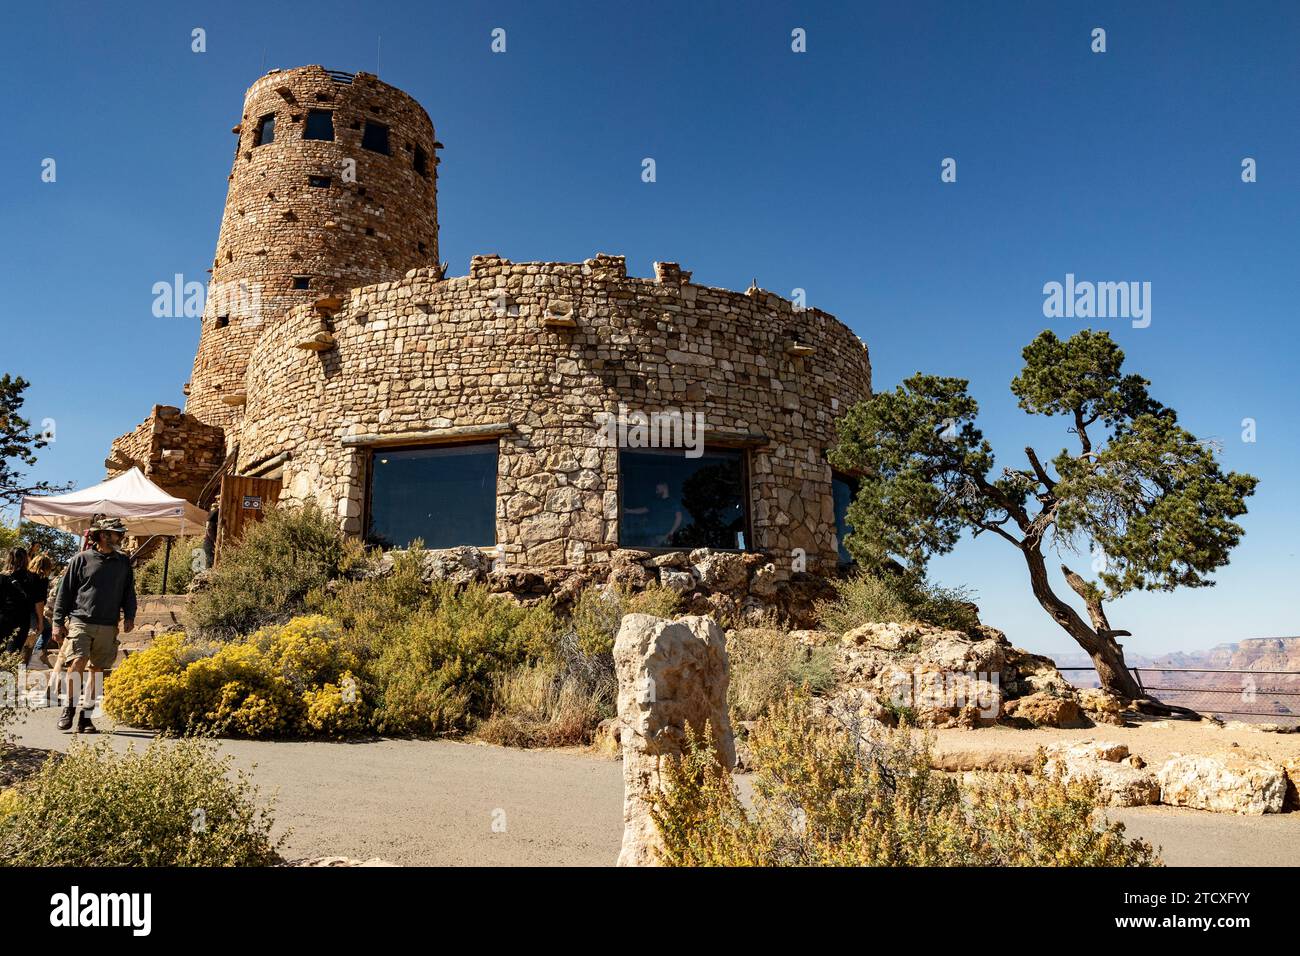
(98,589)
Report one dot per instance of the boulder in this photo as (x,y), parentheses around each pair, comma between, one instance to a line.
(458,565)
(672,675)
(1121,783)
(683,582)
(1045,710)
(1102,707)
(955,651)
(887,636)
(720,570)
(765,581)
(1230,782)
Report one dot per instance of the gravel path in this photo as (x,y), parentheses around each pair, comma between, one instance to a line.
(435,802)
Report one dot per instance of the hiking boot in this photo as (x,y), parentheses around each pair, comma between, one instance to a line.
(65,719)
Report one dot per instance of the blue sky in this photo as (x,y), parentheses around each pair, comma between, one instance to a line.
(817,170)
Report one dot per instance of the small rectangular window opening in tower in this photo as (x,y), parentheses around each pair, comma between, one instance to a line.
(320,125)
(222,321)
(370,231)
(319,182)
(265,130)
(375,138)
(421,162)
(302,282)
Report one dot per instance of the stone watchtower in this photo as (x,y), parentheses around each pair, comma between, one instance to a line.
(333,187)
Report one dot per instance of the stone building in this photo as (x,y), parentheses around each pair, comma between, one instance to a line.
(550,413)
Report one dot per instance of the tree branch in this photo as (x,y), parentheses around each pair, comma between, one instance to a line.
(1039,470)
(1090,599)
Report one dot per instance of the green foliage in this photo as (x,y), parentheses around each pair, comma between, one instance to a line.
(867,598)
(174,804)
(18,444)
(10,667)
(180,569)
(59,545)
(1139,487)
(434,672)
(598,612)
(766,665)
(265,577)
(832,795)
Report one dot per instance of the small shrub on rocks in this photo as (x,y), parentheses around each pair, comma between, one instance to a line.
(868,598)
(827,794)
(174,804)
(766,665)
(599,610)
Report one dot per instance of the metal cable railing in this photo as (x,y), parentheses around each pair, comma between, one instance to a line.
(1248,694)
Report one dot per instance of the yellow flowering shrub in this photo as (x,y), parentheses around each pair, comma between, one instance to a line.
(282,680)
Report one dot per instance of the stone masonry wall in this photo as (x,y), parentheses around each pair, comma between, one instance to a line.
(277,225)
(427,354)
(175,451)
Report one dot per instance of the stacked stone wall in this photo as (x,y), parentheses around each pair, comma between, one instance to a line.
(428,358)
(175,451)
(368,218)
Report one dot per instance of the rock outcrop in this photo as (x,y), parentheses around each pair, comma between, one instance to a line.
(1230,782)
(1122,779)
(672,675)
(1044,709)
(939,678)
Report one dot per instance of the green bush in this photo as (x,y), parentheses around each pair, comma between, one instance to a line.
(295,679)
(868,598)
(180,568)
(826,794)
(10,664)
(433,672)
(599,610)
(174,804)
(766,665)
(265,577)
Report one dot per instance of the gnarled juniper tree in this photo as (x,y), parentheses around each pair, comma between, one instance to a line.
(1141,492)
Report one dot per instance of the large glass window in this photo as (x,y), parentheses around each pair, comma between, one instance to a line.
(671,501)
(843,489)
(442,494)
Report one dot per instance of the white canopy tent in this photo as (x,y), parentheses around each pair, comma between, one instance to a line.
(144,508)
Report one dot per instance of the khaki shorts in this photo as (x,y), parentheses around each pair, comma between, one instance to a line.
(96,642)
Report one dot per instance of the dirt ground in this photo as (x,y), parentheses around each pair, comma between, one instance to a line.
(1153,741)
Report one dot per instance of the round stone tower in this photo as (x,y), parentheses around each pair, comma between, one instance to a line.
(333,187)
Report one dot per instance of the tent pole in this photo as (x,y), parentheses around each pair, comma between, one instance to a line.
(167,558)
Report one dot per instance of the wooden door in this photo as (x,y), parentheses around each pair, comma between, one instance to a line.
(243,501)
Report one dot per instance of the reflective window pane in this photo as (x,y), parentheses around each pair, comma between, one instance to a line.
(265,130)
(442,494)
(319,125)
(671,501)
(844,490)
